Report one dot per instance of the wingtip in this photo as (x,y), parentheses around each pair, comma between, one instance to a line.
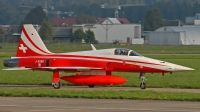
(22,68)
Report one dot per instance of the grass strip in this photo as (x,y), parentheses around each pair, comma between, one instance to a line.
(105,94)
(10,48)
(188,79)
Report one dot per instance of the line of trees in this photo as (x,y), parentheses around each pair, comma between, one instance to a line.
(153,19)
(39,17)
(79,35)
(170,9)
(1,30)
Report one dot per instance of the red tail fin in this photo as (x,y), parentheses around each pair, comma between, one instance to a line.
(30,43)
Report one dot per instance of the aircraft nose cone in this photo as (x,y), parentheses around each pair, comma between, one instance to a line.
(181,68)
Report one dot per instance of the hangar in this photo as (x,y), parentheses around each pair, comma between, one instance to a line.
(175,35)
(111,30)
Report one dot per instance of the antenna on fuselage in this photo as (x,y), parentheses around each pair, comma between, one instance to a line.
(93,48)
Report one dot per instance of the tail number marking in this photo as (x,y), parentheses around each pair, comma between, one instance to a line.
(39,62)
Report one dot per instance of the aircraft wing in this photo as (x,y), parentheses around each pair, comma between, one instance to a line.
(16,68)
(56,68)
(70,68)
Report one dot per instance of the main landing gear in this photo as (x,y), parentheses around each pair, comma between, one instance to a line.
(142,84)
(56,79)
(90,86)
(57,85)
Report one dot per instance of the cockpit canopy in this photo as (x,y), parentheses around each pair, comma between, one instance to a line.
(126,52)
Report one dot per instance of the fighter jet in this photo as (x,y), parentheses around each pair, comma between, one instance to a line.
(91,68)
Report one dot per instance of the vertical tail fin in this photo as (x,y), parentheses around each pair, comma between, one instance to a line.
(30,43)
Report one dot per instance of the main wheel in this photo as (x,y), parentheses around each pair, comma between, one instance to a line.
(143,85)
(90,86)
(58,85)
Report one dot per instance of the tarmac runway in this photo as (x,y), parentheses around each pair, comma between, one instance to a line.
(33,104)
(102,88)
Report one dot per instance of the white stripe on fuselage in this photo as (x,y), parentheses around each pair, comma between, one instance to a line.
(139,61)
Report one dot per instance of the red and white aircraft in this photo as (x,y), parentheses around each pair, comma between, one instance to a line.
(92,67)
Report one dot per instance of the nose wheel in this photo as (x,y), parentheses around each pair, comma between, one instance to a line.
(142,84)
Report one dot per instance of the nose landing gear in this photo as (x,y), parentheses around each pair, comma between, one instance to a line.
(142,84)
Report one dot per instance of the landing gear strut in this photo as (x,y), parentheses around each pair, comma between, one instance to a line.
(56,79)
(142,84)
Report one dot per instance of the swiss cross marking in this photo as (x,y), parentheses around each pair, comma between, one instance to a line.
(23,48)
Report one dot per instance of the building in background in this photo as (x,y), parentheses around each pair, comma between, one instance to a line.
(173,22)
(193,20)
(84,27)
(107,30)
(63,22)
(63,28)
(62,34)
(175,35)
(111,30)
(121,20)
(145,34)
